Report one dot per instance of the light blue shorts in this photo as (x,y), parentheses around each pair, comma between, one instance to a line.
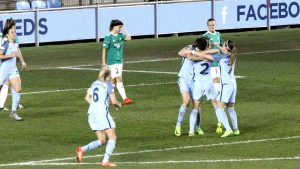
(204,88)
(185,85)
(4,75)
(101,121)
(227,93)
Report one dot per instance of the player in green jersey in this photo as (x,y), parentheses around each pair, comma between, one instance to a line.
(216,40)
(112,55)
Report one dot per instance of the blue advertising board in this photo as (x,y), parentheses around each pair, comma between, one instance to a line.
(76,24)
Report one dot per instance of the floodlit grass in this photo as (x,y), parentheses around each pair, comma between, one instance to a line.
(55,122)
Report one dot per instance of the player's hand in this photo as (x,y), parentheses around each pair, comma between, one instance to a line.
(118,107)
(23,66)
(13,54)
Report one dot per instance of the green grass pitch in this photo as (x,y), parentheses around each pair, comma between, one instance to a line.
(55,120)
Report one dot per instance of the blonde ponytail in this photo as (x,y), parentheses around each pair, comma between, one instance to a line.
(104,73)
(233,52)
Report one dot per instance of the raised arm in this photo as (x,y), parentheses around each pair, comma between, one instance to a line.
(128,37)
(184,51)
(200,56)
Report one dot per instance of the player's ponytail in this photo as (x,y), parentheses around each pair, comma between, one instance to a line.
(8,25)
(233,52)
(104,73)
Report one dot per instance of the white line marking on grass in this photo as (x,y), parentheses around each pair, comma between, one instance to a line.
(155,150)
(167,59)
(270,51)
(156,162)
(79,89)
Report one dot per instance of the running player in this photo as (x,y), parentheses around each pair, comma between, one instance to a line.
(5,87)
(8,68)
(99,118)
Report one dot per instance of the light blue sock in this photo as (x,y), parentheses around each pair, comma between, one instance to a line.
(217,114)
(110,146)
(224,119)
(193,118)
(181,113)
(233,118)
(15,99)
(91,146)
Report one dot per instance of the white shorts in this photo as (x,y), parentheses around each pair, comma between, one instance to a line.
(101,121)
(227,93)
(116,70)
(4,75)
(204,88)
(215,72)
(185,85)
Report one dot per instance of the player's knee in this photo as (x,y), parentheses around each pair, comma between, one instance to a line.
(18,90)
(102,141)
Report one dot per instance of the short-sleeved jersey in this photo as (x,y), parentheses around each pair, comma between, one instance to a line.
(114,45)
(226,70)
(202,70)
(16,40)
(215,38)
(186,69)
(100,92)
(7,48)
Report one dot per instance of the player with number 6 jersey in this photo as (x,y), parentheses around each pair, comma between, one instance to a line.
(99,118)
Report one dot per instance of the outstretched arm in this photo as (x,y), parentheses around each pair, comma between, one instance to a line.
(200,56)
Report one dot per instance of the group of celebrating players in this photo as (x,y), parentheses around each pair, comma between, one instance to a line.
(208,70)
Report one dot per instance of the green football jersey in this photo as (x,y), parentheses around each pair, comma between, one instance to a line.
(114,45)
(215,38)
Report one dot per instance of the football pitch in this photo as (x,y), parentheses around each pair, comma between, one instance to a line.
(55,120)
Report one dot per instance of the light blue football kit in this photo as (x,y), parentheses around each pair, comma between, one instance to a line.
(8,67)
(99,116)
(203,84)
(186,74)
(228,82)
(228,91)
(185,82)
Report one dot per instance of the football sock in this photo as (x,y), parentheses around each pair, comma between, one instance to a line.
(233,118)
(193,118)
(198,120)
(217,114)
(181,113)
(91,146)
(110,146)
(15,99)
(3,95)
(121,90)
(224,119)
